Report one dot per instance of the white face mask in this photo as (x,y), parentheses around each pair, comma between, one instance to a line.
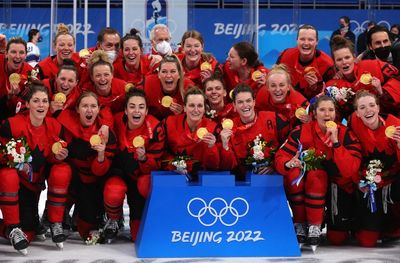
(164,48)
(112,55)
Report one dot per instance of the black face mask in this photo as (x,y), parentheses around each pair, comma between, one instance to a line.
(382,52)
(40,39)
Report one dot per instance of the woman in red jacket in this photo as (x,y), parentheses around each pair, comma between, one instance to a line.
(110,90)
(134,65)
(140,146)
(165,90)
(218,109)
(379,135)
(13,65)
(375,76)
(263,130)
(314,152)
(196,64)
(190,138)
(21,187)
(90,153)
(243,66)
(279,96)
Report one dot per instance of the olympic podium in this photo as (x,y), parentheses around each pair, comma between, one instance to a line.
(216,217)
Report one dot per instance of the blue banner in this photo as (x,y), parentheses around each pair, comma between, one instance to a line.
(216,218)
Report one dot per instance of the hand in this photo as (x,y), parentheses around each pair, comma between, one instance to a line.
(56,106)
(155,59)
(100,149)
(338,75)
(312,80)
(376,83)
(62,154)
(305,118)
(364,189)
(205,74)
(225,135)
(176,108)
(396,136)
(264,170)
(294,162)
(141,153)
(13,89)
(332,132)
(104,133)
(209,139)
(261,80)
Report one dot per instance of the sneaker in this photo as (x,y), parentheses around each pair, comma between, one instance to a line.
(314,233)
(301,232)
(19,240)
(57,234)
(111,229)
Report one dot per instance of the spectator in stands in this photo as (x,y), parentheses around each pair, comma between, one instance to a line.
(380,46)
(196,64)
(160,38)
(344,30)
(33,55)
(244,66)
(362,38)
(395,30)
(309,67)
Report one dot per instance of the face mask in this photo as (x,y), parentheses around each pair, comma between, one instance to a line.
(112,55)
(164,48)
(40,39)
(382,52)
(344,28)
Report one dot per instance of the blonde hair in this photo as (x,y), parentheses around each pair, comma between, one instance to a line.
(62,29)
(280,69)
(99,57)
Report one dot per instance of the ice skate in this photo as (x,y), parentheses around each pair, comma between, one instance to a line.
(314,233)
(301,234)
(57,234)
(110,230)
(19,240)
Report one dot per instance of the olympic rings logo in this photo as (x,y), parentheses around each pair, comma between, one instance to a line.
(218,209)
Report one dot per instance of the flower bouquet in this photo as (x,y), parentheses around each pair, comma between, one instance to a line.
(311,159)
(181,164)
(17,154)
(340,95)
(372,178)
(260,153)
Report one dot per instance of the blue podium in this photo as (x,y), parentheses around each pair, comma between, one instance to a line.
(216,217)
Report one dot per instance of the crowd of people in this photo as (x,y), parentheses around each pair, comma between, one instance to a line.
(93,124)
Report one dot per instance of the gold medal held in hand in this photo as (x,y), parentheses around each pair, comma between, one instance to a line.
(205,66)
(14,78)
(389,131)
(310,70)
(138,141)
(95,140)
(231,94)
(366,78)
(57,146)
(201,132)
(256,74)
(330,124)
(300,112)
(84,52)
(227,124)
(166,101)
(60,97)
(128,86)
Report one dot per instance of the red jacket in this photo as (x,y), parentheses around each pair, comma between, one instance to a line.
(375,145)
(48,67)
(72,97)
(228,112)
(180,141)
(81,154)
(231,78)
(39,139)
(153,133)
(321,62)
(341,164)
(137,77)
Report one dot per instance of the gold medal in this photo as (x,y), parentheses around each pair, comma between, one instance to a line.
(138,141)
(95,140)
(14,78)
(231,94)
(205,66)
(56,147)
(201,132)
(330,124)
(166,101)
(128,86)
(389,131)
(60,97)
(84,52)
(227,124)
(256,74)
(300,112)
(366,78)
